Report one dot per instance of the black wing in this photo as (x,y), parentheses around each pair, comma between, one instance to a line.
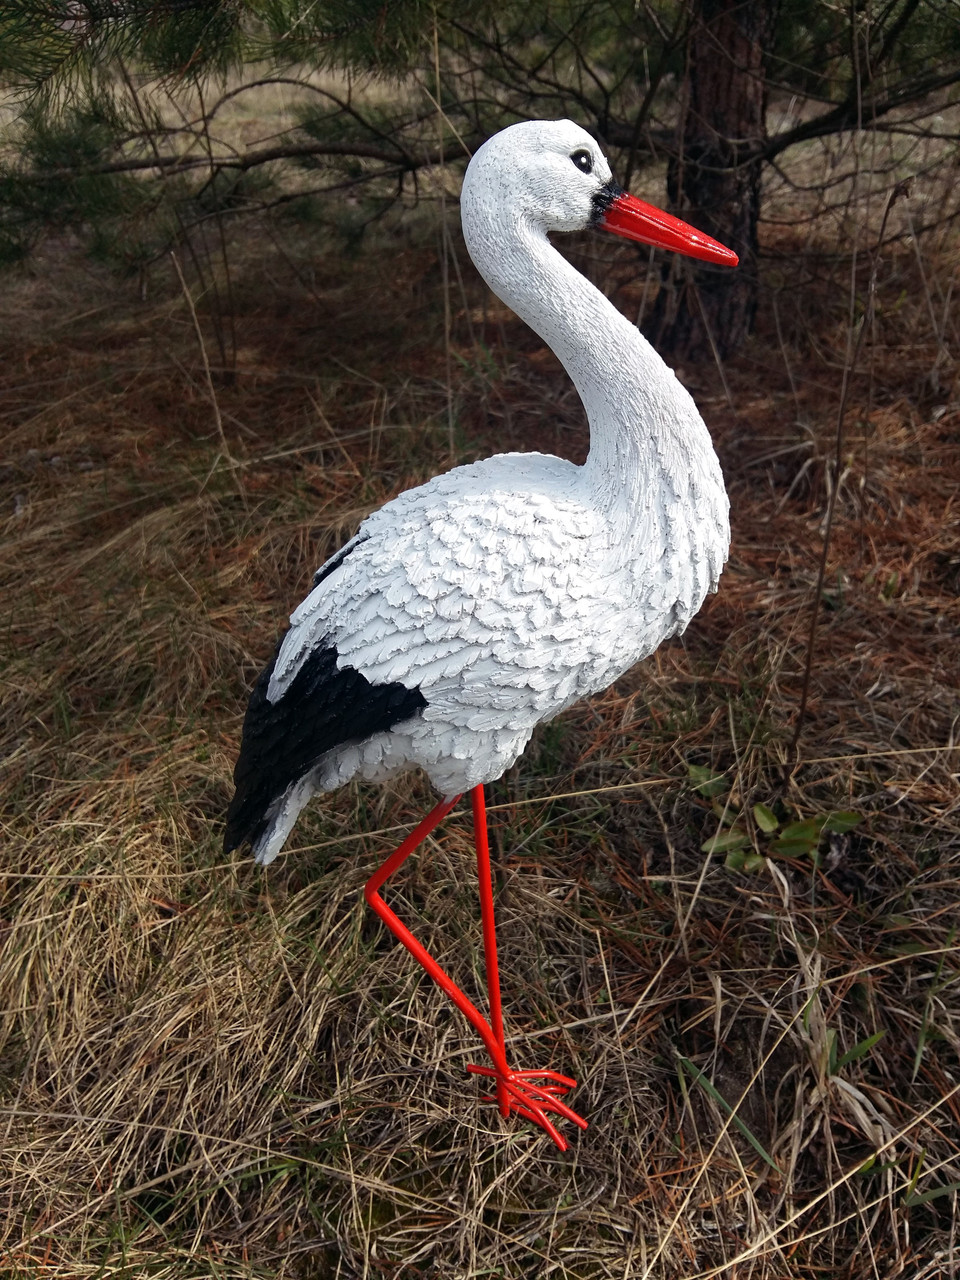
(325,706)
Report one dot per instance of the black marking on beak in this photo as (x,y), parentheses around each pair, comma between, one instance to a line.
(602,200)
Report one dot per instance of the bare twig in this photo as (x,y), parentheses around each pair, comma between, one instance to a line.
(848,369)
(211,390)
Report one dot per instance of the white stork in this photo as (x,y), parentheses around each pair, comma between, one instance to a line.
(470,609)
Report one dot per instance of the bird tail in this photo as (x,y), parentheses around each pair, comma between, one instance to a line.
(264,821)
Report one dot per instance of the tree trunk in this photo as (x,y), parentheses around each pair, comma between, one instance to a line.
(713,182)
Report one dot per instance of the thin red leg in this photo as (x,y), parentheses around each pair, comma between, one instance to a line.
(485,880)
(419,952)
(529,1093)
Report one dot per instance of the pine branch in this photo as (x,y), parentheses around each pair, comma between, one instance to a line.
(399,159)
(848,115)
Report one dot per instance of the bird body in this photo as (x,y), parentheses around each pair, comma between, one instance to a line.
(468,610)
(505,590)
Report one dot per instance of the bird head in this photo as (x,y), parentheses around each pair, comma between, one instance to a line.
(553,175)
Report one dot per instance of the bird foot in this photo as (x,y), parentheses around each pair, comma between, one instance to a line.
(532,1094)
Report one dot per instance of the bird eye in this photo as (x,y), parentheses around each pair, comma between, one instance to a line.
(583,160)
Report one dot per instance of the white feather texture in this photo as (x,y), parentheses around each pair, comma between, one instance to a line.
(507,589)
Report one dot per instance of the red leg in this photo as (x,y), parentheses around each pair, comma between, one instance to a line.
(516,1090)
(419,952)
(485,881)
(529,1093)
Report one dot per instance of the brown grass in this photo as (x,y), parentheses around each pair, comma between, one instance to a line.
(207,1070)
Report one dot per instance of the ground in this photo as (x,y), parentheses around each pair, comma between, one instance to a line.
(207,1069)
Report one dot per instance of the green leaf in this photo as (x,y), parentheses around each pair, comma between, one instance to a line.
(932,1194)
(706,781)
(735,838)
(765,818)
(915,1176)
(735,859)
(792,848)
(754,862)
(808,830)
(860,1049)
(841,821)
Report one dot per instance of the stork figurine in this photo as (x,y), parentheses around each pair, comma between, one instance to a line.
(474,607)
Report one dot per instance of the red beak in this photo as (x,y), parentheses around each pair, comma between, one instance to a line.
(636,220)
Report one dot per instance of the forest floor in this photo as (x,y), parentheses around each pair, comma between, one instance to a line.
(208,1069)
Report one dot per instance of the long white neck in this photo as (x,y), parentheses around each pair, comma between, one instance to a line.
(651,468)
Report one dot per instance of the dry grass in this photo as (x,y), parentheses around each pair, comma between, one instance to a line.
(206,1070)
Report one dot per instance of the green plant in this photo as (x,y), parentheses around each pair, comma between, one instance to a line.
(750,835)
